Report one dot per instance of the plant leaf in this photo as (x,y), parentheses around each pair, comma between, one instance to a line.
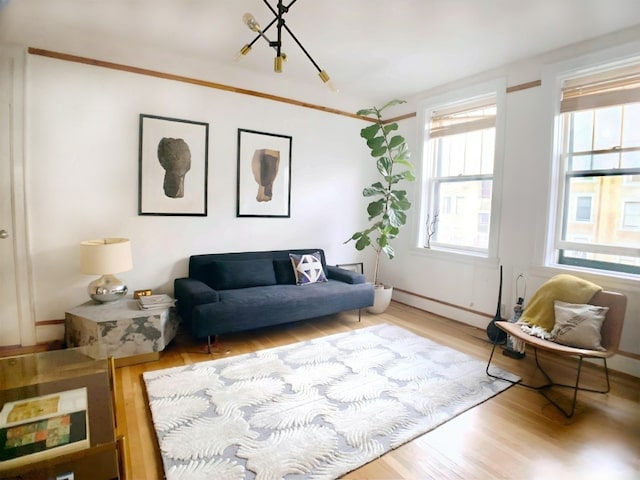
(375,208)
(389,127)
(384,165)
(378,152)
(395,141)
(373,190)
(370,132)
(388,250)
(375,142)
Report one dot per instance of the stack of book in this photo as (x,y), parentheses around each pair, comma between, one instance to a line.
(148,302)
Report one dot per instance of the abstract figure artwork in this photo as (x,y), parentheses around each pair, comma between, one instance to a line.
(264,174)
(173,166)
(265,168)
(175,157)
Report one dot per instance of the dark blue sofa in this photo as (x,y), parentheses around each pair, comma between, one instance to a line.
(230,292)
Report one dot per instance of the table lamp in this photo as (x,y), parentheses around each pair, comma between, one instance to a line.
(106,256)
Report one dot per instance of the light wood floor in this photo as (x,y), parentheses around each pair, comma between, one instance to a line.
(515,435)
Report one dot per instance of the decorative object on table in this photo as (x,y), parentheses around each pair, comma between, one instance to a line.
(173,166)
(314,409)
(353,267)
(431,227)
(106,257)
(141,293)
(388,209)
(148,302)
(493,332)
(42,427)
(264,174)
(279,21)
(515,348)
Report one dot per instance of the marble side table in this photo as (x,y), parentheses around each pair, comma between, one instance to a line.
(121,329)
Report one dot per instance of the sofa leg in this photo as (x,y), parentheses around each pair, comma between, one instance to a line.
(215,342)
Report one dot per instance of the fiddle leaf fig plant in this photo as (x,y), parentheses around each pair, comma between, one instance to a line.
(389,204)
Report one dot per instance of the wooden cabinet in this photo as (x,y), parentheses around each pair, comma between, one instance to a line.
(57,417)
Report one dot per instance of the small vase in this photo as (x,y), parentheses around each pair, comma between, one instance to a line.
(382,299)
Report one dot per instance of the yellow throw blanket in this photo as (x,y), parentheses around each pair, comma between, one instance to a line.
(566,288)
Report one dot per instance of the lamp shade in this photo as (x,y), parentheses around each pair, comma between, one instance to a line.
(105,256)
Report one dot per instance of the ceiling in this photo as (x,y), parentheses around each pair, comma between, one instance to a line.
(374,49)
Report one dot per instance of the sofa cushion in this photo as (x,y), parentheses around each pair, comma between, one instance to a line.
(578,325)
(228,275)
(308,268)
(284,272)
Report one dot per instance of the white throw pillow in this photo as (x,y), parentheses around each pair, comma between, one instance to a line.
(578,325)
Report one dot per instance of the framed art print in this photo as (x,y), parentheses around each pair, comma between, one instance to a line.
(264,174)
(36,428)
(354,267)
(173,166)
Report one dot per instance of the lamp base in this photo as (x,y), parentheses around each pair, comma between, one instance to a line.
(107,288)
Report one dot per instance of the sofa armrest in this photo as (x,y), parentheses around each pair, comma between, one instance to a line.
(346,276)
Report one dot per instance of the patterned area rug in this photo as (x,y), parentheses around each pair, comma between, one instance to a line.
(311,410)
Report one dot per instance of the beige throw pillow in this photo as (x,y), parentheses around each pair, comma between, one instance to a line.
(578,325)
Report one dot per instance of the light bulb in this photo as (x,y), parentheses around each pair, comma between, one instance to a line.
(251,22)
(243,51)
(324,76)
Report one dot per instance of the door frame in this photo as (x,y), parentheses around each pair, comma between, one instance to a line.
(19,227)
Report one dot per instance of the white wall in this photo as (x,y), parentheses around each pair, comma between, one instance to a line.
(82,178)
(472,285)
(82,169)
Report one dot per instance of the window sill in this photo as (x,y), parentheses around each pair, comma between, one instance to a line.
(457,256)
(610,279)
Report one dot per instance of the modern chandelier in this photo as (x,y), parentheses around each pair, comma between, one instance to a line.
(279,21)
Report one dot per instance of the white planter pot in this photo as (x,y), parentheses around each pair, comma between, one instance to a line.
(381,299)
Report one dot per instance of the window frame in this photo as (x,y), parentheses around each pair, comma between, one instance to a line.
(426,106)
(553,79)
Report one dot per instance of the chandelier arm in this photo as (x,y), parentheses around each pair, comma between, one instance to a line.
(261,33)
(302,48)
(273,10)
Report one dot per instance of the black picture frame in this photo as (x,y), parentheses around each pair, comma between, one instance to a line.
(173,166)
(354,267)
(264,174)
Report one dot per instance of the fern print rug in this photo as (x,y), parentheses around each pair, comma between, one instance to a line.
(310,410)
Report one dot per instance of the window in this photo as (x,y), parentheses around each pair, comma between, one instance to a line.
(459,157)
(598,136)
(583,209)
(631,215)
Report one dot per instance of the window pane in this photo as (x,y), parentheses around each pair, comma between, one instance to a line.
(607,128)
(606,160)
(631,159)
(631,218)
(473,153)
(582,137)
(583,209)
(630,131)
(463,228)
(488,150)
(595,215)
(466,153)
(581,162)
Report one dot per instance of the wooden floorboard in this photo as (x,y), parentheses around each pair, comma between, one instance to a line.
(516,435)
